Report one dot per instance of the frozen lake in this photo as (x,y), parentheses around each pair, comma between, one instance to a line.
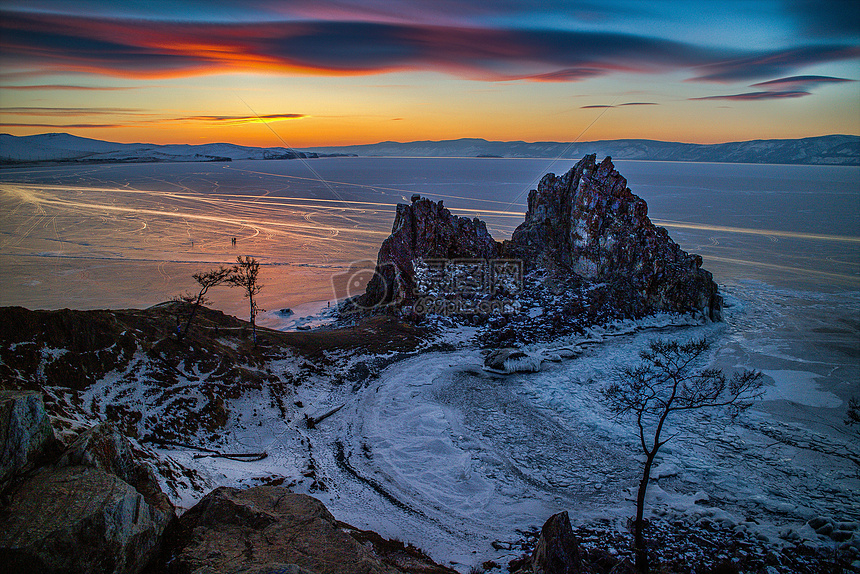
(132,235)
(470,458)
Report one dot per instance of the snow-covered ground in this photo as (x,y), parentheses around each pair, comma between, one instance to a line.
(438,452)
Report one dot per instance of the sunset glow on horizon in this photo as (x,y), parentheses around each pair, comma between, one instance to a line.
(339,72)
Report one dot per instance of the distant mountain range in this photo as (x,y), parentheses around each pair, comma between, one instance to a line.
(824,150)
(65,148)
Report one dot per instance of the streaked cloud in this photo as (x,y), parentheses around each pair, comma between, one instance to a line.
(781,88)
(146,49)
(593,106)
(67,87)
(766,95)
(53,111)
(59,126)
(800,82)
(134,116)
(568,75)
(775,63)
(444,12)
(238,120)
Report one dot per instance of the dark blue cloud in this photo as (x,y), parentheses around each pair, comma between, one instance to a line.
(775,63)
(61,42)
(800,82)
(754,96)
(478,12)
(147,48)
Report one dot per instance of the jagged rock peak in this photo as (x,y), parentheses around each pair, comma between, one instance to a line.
(424,229)
(585,224)
(588,222)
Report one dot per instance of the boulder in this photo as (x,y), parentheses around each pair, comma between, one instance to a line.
(260,529)
(509,360)
(557,551)
(78,519)
(588,222)
(105,448)
(25,433)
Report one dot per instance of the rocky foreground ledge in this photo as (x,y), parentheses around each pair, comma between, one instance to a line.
(96,506)
(585,253)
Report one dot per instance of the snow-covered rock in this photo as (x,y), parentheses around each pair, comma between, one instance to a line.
(507,361)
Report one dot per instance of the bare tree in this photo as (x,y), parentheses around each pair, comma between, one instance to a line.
(669,380)
(206,280)
(245,276)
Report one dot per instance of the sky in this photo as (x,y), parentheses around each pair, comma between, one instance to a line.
(311,73)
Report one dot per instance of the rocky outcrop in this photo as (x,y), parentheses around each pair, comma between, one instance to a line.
(586,224)
(589,222)
(78,519)
(557,551)
(104,448)
(98,508)
(25,433)
(427,230)
(265,528)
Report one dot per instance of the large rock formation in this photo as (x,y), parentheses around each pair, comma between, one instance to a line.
(426,230)
(270,529)
(589,222)
(585,224)
(557,551)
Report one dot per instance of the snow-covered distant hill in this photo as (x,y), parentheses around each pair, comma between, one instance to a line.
(58,147)
(824,150)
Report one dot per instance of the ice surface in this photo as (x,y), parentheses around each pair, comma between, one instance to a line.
(440,453)
(799,387)
(303,316)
